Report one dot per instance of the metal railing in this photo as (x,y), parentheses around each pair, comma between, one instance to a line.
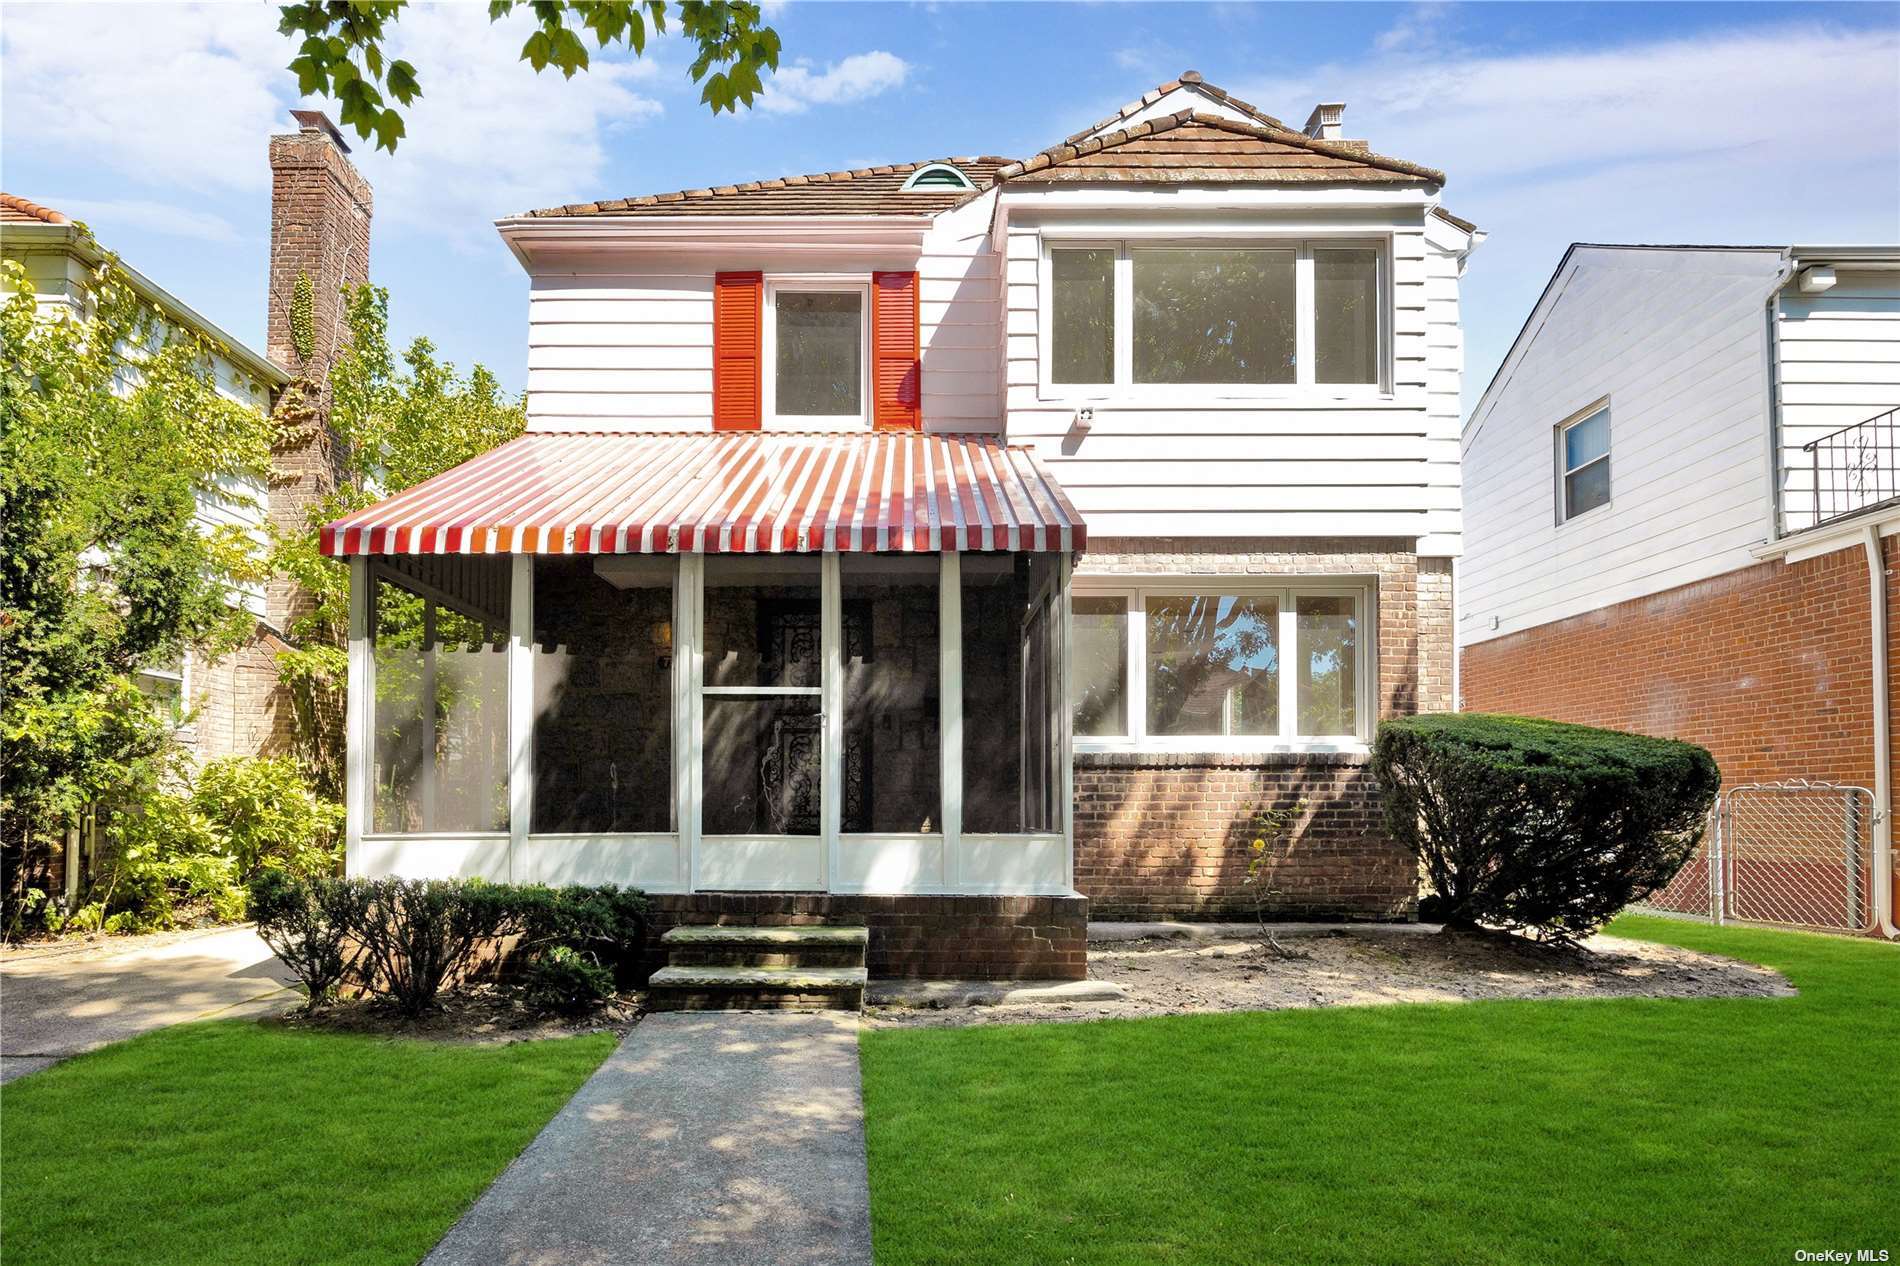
(1855,468)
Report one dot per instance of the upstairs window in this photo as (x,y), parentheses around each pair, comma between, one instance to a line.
(1583,463)
(815,365)
(1259,315)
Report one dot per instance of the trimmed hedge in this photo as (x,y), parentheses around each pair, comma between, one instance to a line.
(1530,824)
(404,938)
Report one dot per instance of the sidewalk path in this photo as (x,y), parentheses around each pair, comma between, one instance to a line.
(725,1137)
(58,1002)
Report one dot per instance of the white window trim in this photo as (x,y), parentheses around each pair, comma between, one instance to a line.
(1135,591)
(1125,390)
(1564,470)
(831,283)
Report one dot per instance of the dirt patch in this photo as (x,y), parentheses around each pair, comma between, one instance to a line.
(1358,968)
(479,1015)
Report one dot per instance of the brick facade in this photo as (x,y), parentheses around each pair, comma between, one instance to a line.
(1768,667)
(1169,835)
(958,938)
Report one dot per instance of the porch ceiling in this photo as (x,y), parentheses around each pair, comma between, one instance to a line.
(724,492)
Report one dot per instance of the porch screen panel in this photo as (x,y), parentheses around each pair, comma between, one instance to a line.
(892,776)
(1011,641)
(439,627)
(762,667)
(603,694)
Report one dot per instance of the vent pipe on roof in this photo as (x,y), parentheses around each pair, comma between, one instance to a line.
(1325,122)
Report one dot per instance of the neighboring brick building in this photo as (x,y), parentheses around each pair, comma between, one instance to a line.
(1672,485)
(320,222)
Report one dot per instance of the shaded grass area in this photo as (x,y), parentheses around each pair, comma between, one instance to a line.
(239,1142)
(1629,1130)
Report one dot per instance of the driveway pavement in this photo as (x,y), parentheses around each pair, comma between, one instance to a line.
(723,1137)
(58,1001)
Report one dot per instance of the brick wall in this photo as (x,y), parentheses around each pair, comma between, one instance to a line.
(320,225)
(955,938)
(1169,835)
(238,708)
(1768,667)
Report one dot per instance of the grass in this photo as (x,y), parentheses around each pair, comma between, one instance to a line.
(1639,1131)
(239,1142)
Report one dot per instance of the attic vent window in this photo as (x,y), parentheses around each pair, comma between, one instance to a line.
(937,176)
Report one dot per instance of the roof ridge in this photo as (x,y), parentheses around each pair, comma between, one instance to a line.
(14,202)
(1187,79)
(1279,134)
(842,176)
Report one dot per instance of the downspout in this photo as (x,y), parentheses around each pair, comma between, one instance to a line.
(1883,775)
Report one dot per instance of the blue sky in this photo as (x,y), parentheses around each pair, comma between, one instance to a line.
(1755,123)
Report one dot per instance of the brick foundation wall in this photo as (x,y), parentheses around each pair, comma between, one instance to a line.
(1768,667)
(237,705)
(1168,835)
(952,938)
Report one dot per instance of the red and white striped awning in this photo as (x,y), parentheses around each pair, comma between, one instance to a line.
(753,492)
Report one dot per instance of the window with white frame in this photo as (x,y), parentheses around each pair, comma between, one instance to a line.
(817,353)
(1193,663)
(1245,315)
(1583,463)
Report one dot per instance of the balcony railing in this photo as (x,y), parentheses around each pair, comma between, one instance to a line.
(1853,469)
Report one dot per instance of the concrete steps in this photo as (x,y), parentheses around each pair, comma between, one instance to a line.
(725,968)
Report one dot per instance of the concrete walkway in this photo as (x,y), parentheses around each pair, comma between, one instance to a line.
(725,1137)
(65,998)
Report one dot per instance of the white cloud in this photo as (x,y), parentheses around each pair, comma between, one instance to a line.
(166,96)
(153,217)
(796,88)
(1766,135)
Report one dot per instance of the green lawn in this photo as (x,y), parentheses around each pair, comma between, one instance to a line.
(236,1142)
(1733,1131)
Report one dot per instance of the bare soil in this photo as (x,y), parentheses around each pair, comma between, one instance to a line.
(476,1014)
(1347,967)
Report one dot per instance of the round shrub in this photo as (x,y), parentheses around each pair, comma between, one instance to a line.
(1538,825)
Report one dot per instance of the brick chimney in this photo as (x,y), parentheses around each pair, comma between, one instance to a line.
(319,229)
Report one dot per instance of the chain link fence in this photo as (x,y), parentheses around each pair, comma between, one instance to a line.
(1794,853)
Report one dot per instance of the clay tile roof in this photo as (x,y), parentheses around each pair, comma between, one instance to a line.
(17,210)
(1194,148)
(1188,79)
(863,191)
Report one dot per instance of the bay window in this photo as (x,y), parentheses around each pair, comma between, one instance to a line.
(1221,665)
(1235,316)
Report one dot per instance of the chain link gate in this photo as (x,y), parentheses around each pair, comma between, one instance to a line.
(1798,853)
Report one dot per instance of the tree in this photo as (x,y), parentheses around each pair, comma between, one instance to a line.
(398,423)
(341,54)
(111,430)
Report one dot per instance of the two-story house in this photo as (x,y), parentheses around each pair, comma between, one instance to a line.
(1681,493)
(945,546)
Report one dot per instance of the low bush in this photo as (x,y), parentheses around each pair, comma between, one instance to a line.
(311,924)
(1526,824)
(405,939)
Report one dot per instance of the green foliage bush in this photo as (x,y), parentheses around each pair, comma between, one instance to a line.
(1527,824)
(405,939)
(311,924)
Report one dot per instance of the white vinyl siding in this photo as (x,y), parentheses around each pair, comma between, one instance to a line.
(1315,460)
(1677,341)
(1839,364)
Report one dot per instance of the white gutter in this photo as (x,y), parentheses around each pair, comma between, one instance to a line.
(1883,774)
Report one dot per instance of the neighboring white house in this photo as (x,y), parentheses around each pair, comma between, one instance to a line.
(837,486)
(59,261)
(1675,487)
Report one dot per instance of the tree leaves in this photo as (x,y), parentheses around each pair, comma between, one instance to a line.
(341,55)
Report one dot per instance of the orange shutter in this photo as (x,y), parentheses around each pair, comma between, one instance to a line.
(897,370)
(738,310)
